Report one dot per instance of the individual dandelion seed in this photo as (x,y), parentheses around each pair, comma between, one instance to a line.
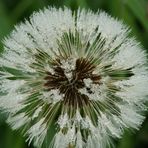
(79,73)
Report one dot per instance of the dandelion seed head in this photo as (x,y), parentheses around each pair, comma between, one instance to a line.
(77,73)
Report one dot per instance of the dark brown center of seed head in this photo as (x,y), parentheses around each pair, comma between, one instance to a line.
(70,87)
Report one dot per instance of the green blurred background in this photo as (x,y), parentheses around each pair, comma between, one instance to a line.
(132,12)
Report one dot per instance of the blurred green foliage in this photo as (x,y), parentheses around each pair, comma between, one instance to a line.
(133,13)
